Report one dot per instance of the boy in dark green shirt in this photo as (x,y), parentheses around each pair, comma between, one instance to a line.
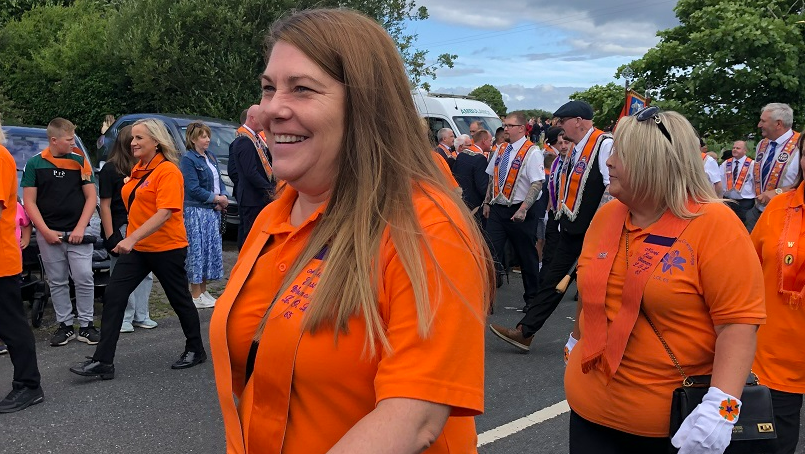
(59,196)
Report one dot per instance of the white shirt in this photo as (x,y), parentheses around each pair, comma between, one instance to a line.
(789,177)
(603,154)
(216,185)
(748,189)
(712,170)
(531,171)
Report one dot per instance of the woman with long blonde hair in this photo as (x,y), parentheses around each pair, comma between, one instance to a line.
(155,242)
(344,327)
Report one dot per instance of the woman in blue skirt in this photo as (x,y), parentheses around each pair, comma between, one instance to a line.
(204,198)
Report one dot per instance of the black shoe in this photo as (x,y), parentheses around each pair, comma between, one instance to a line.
(189,359)
(21,398)
(89,334)
(92,368)
(63,335)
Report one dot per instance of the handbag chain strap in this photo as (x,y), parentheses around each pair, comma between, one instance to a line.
(687,381)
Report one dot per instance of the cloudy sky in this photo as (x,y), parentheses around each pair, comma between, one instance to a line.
(537,52)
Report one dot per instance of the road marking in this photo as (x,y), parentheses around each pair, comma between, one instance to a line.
(523,423)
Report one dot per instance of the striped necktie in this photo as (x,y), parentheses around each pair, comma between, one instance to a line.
(735,172)
(502,167)
(767,162)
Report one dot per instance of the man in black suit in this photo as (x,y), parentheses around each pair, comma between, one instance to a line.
(249,169)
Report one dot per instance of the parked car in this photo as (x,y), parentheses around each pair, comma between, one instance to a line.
(24,142)
(223,133)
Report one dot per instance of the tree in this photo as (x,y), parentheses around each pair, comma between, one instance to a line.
(606,100)
(726,60)
(81,59)
(491,96)
(537,113)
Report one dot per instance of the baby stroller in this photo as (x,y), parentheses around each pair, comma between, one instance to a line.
(34,286)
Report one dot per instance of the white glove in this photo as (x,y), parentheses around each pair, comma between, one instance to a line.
(571,342)
(708,429)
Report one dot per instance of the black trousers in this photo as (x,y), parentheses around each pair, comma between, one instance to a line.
(523,238)
(787,407)
(741,207)
(14,331)
(247,216)
(130,269)
(551,240)
(587,437)
(565,253)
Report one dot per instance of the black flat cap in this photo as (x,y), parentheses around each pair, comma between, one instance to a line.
(552,136)
(575,109)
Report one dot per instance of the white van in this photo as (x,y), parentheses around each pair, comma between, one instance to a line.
(453,111)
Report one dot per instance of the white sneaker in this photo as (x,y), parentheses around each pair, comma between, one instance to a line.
(210,299)
(201,303)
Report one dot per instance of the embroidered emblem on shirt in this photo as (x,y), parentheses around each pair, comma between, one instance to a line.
(602,255)
(672,260)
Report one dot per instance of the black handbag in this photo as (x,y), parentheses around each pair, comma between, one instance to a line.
(222,226)
(754,433)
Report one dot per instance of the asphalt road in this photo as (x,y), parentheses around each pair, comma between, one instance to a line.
(150,408)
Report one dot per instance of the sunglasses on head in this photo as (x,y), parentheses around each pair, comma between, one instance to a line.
(653,113)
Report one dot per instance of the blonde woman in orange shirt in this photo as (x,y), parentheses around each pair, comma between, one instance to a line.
(659,253)
(779,238)
(341,329)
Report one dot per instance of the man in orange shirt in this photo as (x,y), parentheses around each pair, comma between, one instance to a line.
(26,390)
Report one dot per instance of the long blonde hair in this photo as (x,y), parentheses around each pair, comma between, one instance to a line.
(159,132)
(385,157)
(660,172)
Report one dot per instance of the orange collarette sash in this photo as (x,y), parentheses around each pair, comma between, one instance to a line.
(605,342)
(260,145)
(788,265)
(704,156)
(777,171)
(518,161)
(477,150)
(448,152)
(571,194)
(69,164)
(741,176)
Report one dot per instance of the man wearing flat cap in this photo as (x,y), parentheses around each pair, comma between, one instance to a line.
(583,187)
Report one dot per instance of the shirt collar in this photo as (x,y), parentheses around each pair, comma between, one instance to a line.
(250,130)
(279,221)
(516,145)
(580,146)
(780,140)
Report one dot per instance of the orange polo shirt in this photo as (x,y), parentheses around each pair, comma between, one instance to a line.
(687,295)
(163,189)
(10,258)
(780,358)
(308,390)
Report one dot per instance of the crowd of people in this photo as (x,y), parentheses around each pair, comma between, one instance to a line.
(347,263)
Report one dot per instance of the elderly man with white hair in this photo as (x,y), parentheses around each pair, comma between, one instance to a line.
(776,158)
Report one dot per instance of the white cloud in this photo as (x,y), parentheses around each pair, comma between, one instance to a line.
(518,97)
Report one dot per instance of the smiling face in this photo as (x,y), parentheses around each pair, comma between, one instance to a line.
(302,112)
(143,146)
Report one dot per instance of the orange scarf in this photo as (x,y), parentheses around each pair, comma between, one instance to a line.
(604,342)
(787,262)
(260,145)
(777,171)
(738,185)
(514,171)
(570,200)
(448,152)
(69,164)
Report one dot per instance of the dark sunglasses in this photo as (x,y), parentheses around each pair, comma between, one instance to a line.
(653,113)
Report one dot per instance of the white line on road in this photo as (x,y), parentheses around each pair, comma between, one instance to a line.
(526,421)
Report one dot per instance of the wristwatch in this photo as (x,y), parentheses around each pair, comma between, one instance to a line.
(778,191)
